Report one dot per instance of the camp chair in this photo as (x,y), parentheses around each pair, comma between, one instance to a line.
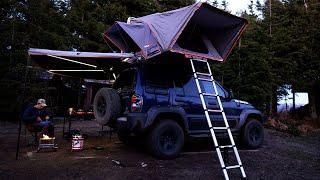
(34,132)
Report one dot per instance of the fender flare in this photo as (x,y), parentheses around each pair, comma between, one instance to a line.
(154,112)
(244,115)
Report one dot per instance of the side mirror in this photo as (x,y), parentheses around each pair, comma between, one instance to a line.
(230,94)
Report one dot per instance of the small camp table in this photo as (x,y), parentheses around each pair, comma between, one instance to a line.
(71,114)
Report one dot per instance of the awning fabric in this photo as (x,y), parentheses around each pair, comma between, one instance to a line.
(199,30)
(90,65)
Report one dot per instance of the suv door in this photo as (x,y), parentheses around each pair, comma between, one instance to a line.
(230,108)
(186,95)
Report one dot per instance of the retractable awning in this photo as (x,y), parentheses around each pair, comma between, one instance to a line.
(89,65)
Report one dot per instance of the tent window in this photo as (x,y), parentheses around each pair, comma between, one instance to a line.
(191,39)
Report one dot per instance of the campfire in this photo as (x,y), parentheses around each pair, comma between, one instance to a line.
(46,142)
(46,137)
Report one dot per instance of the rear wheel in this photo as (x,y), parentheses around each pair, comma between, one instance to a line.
(166,139)
(252,135)
(106,106)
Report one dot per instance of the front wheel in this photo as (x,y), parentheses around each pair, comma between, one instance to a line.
(252,135)
(166,139)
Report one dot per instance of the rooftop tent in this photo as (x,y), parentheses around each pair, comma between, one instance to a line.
(199,30)
(89,65)
(142,39)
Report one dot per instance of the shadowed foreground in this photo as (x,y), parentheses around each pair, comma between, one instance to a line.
(281,157)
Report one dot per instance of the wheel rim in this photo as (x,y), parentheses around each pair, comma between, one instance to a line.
(101,106)
(168,141)
(255,134)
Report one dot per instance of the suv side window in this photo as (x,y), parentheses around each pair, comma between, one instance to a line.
(157,80)
(184,82)
(156,76)
(125,80)
(222,93)
(190,87)
(208,88)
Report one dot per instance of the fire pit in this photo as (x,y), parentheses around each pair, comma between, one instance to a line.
(47,143)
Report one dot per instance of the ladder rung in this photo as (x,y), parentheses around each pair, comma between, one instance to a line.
(201,60)
(203,74)
(215,110)
(209,94)
(227,146)
(204,79)
(219,128)
(233,167)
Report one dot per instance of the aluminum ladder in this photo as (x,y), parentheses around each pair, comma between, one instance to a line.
(203,95)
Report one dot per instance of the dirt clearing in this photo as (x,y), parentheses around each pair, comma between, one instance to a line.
(282,157)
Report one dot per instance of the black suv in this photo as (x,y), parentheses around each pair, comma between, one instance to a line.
(160,103)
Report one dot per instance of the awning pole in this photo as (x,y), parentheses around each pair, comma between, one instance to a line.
(20,118)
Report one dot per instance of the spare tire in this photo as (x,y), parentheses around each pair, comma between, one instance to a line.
(106,106)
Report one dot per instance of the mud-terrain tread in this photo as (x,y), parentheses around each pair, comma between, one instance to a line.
(153,136)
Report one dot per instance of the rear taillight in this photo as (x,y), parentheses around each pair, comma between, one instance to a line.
(136,103)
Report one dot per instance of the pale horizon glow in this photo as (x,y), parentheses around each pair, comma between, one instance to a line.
(235,6)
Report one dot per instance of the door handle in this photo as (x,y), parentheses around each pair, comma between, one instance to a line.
(212,103)
(180,99)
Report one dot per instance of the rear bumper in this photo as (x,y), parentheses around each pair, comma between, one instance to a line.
(131,122)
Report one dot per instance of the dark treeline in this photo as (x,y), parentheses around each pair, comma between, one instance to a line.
(277,50)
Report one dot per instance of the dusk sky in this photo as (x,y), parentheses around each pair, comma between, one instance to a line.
(236,5)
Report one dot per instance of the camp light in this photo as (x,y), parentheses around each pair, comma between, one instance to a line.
(136,103)
(70,111)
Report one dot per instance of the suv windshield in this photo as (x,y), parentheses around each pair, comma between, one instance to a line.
(207,87)
(125,79)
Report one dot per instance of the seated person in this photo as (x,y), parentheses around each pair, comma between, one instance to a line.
(36,119)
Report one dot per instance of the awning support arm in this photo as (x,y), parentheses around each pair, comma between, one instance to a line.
(70,60)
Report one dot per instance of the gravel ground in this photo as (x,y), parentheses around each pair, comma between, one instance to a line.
(282,157)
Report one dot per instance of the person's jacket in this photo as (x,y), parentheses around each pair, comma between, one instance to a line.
(30,115)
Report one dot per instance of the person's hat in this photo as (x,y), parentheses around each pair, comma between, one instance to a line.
(42,102)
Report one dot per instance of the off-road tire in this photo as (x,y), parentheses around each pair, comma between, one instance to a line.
(252,134)
(166,139)
(106,106)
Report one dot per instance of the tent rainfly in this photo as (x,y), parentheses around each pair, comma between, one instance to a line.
(199,30)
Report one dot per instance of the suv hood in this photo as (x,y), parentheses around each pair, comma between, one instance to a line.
(241,102)
(244,104)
